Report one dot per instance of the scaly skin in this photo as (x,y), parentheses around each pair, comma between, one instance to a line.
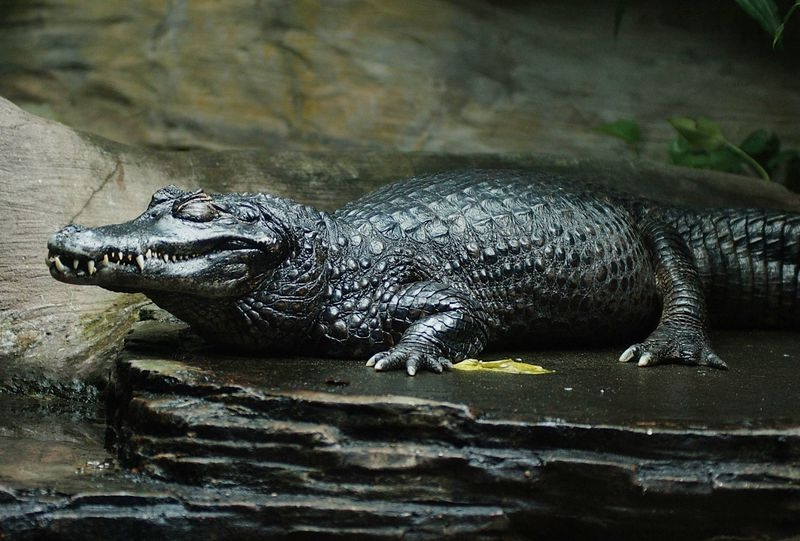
(426,272)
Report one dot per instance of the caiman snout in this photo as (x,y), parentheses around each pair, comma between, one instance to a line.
(64,233)
(58,245)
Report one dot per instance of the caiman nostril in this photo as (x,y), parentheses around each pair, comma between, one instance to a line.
(67,231)
(72,228)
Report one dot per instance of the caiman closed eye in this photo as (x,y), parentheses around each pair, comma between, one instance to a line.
(196,206)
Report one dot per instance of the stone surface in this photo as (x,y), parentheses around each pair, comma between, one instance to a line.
(467,76)
(56,337)
(313,448)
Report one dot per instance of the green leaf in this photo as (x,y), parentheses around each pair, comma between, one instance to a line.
(765,12)
(701,133)
(762,145)
(627,130)
(506,366)
(704,135)
(761,142)
(682,153)
(778,34)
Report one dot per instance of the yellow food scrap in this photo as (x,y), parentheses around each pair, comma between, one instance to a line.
(506,366)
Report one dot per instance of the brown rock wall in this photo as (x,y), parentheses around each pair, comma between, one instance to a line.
(432,75)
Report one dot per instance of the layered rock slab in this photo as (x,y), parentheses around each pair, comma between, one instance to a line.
(594,447)
(206,443)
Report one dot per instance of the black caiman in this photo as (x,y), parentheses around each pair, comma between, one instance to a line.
(428,271)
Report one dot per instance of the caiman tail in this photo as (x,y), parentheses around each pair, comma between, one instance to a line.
(748,260)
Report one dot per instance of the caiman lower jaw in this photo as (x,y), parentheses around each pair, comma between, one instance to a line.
(214,274)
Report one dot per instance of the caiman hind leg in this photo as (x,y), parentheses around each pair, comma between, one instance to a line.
(681,335)
(439,326)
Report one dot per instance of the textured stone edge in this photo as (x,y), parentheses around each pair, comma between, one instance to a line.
(395,451)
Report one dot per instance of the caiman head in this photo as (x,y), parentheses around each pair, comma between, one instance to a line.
(185,243)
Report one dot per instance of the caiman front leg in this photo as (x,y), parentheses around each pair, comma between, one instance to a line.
(681,335)
(439,326)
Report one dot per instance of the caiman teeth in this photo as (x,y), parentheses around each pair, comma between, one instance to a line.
(81,266)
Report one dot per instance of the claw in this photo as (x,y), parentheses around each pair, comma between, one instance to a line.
(384,361)
(628,354)
(645,359)
(382,364)
(713,360)
(378,361)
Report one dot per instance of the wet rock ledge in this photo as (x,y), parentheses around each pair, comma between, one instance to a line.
(213,444)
